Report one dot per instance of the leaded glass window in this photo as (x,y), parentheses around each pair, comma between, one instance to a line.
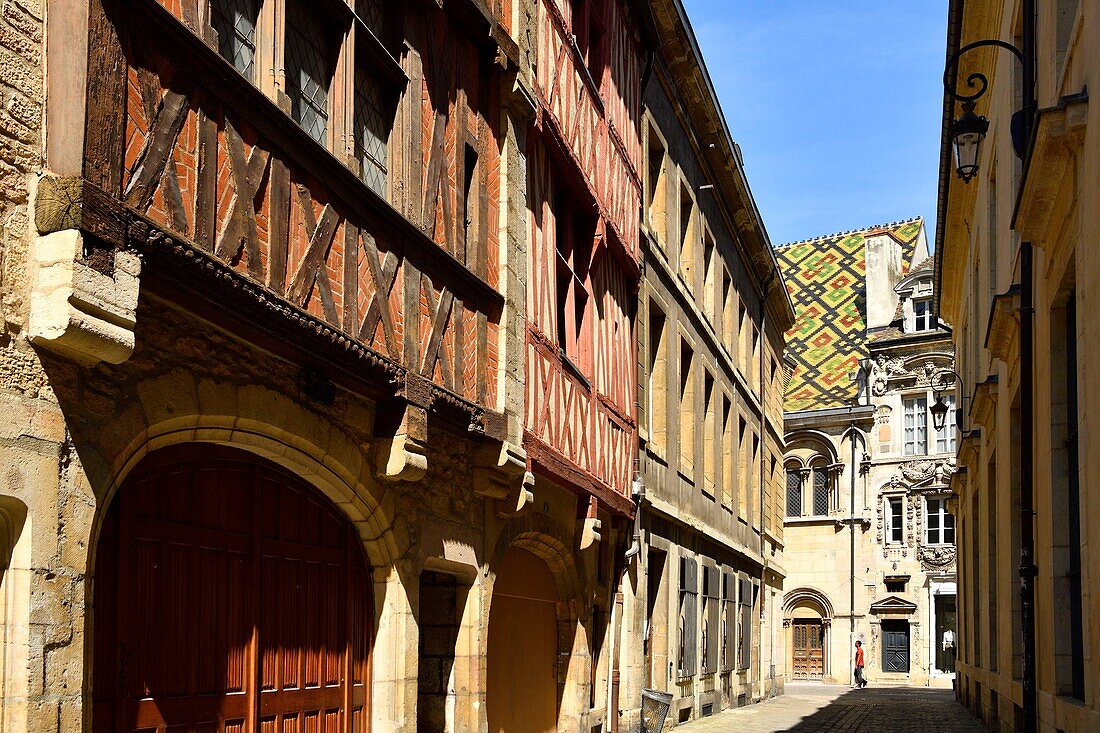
(821,491)
(371,130)
(373,15)
(309,68)
(794,493)
(234,22)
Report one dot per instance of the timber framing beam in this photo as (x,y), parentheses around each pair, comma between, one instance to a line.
(178,271)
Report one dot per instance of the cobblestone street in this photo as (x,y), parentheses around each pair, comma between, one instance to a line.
(819,709)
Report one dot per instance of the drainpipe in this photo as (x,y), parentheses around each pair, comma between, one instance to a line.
(852,559)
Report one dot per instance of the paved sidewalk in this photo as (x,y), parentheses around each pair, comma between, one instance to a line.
(816,708)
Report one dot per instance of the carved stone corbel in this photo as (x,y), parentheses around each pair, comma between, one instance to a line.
(402,455)
(591,526)
(82,308)
(501,474)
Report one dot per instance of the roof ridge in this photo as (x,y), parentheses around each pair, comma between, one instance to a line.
(834,235)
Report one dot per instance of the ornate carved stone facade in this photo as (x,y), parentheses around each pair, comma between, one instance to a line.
(892,489)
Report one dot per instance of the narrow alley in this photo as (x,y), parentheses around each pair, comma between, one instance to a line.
(816,708)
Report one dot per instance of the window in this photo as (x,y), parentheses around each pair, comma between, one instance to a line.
(470,209)
(710,619)
(924,319)
(729,472)
(916,426)
(709,264)
(729,625)
(743,354)
(709,436)
(895,521)
(745,641)
(234,22)
(895,585)
(945,436)
(688,236)
(574,234)
(821,490)
(754,365)
(655,180)
(939,523)
(688,591)
(687,410)
(755,482)
(743,473)
(310,60)
(658,377)
(372,128)
(794,492)
(728,309)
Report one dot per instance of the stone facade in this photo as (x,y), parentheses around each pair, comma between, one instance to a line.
(1024,230)
(702,592)
(870,547)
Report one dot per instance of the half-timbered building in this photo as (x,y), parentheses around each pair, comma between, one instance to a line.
(701,602)
(269,459)
(580,423)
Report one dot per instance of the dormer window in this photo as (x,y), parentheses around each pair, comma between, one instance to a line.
(923,318)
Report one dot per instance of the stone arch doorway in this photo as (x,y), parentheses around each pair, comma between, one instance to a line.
(230,595)
(522,689)
(807,616)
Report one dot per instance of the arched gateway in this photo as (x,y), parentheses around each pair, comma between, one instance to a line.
(231,596)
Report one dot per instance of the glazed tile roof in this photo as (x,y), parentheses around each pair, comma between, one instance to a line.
(826,279)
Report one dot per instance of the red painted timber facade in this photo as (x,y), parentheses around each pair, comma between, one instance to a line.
(583,267)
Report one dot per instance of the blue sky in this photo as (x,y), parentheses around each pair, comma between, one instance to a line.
(836,105)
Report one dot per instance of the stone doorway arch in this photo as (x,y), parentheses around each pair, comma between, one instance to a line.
(807,622)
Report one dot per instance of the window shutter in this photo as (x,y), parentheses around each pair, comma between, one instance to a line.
(746,622)
(729,610)
(713,620)
(692,643)
(689,616)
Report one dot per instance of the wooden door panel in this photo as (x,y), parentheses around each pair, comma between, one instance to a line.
(230,616)
(808,660)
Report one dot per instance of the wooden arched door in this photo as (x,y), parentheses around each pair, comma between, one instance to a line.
(229,595)
(522,690)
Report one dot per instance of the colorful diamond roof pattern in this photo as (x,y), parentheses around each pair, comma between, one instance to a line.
(826,278)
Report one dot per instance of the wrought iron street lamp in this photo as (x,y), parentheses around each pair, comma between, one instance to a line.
(939,408)
(968,132)
(967,135)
